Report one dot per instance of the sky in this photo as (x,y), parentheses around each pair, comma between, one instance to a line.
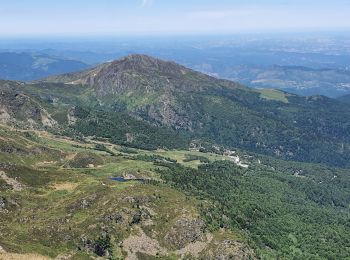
(169,17)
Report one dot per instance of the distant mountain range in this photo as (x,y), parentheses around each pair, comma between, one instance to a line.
(26,66)
(298,73)
(295,79)
(345,98)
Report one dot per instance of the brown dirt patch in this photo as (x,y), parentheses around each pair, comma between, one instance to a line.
(69,186)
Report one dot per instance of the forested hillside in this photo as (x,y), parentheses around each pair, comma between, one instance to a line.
(311,129)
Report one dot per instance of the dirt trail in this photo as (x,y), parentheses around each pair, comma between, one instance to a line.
(10,256)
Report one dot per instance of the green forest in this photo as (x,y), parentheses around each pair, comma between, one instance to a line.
(283,216)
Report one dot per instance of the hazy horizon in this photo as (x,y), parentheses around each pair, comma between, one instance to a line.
(165,18)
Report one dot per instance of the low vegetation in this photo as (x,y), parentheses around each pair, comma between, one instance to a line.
(68,206)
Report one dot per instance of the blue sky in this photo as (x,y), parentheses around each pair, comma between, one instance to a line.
(133,17)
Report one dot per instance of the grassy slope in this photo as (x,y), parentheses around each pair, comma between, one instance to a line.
(273,94)
(60,206)
(282,209)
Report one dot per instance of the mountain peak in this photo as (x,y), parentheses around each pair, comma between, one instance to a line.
(129,71)
(138,58)
(139,73)
(144,62)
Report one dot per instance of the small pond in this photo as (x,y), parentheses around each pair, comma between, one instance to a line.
(122,179)
(118,179)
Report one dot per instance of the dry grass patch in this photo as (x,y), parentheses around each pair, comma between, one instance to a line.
(68,186)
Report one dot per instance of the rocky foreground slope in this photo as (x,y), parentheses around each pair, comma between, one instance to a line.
(56,200)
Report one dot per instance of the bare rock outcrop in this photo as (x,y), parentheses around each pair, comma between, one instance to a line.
(184,232)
